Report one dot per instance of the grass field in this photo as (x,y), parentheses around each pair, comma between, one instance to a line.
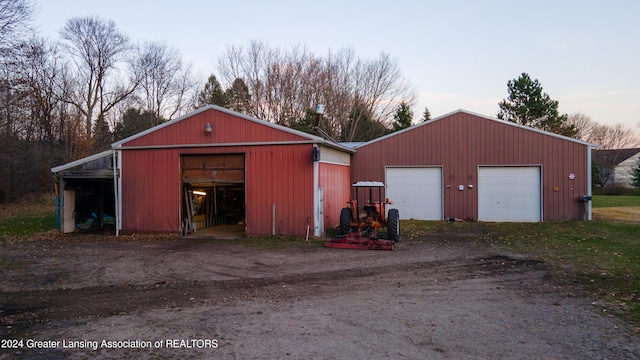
(20,220)
(616,208)
(603,201)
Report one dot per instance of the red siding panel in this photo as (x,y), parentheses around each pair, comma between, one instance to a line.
(461,142)
(226,128)
(280,176)
(150,185)
(275,174)
(335,181)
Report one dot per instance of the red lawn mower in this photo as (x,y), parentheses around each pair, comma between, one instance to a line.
(360,227)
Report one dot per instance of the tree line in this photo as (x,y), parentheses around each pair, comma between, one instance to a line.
(527,104)
(63,99)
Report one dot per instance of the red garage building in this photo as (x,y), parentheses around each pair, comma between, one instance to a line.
(216,166)
(468,166)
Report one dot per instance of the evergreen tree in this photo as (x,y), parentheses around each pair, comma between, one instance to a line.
(102,136)
(426,115)
(134,121)
(403,117)
(238,96)
(306,124)
(528,105)
(361,126)
(212,94)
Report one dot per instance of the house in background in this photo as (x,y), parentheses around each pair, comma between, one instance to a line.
(616,166)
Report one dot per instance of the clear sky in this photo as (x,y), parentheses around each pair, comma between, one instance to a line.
(456,54)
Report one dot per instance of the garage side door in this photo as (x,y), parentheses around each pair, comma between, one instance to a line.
(509,194)
(416,192)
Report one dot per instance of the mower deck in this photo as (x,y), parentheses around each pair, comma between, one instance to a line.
(357,242)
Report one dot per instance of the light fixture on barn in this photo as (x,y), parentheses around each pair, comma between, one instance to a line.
(318,130)
(208,128)
(319,113)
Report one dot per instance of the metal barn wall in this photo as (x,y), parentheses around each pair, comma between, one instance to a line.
(461,142)
(280,176)
(151,188)
(279,171)
(335,181)
(275,174)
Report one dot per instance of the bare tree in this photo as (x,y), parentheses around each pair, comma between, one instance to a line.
(43,71)
(613,142)
(587,129)
(96,48)
(284,85)
(15,17)
(617,136)
(337,91)
(231,63)
(165,81)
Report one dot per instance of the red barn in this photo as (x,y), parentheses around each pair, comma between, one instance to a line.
(468,166)
(216,166)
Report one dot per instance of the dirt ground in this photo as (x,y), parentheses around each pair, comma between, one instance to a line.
(437,298)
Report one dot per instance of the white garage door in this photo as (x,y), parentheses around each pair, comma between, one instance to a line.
(416,192)
(509,194)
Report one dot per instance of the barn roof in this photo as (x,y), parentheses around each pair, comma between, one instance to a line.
(508,123)
(86,162)
(311,138)
(613,157)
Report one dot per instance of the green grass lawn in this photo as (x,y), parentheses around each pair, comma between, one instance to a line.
(600,201)
(20,220)
(25,226)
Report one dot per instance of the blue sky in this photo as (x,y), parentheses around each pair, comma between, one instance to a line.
(456,54)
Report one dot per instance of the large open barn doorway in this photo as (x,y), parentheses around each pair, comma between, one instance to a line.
(213,194)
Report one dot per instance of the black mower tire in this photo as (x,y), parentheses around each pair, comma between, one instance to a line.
(393,225)
(346,217)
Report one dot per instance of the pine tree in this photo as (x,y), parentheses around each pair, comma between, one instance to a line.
(528,105)
(135,121)
(238,96)
(361,126)
(426,115)
(306,123)
(102,136)
(212,94)
(403,117)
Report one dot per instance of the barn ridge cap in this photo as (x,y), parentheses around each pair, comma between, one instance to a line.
(480,116)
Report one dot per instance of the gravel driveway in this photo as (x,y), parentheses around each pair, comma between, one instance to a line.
(216,299)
